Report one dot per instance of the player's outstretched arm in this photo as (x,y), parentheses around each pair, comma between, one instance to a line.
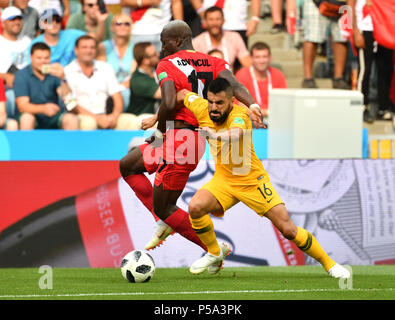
(232,134)
(181,97)
(151,121)
(241,93)
(168,105)
(166,112)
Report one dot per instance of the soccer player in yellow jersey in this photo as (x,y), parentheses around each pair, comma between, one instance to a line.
(239,176)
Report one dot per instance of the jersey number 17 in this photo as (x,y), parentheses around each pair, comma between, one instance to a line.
(194,78)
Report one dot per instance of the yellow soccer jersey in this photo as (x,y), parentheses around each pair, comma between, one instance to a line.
(233,160)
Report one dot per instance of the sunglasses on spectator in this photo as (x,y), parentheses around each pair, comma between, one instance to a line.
(120,23)
(56,19)
(91,5)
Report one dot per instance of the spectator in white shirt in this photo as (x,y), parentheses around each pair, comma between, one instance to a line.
(14,53)
(235,13)
(150,16)
(95,89)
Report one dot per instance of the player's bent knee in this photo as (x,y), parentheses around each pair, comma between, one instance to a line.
(127,167)
(196,209)
(123,167)
(130,164)
(289,231)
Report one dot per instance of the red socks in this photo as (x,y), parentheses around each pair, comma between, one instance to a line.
(179,222)
(142,187)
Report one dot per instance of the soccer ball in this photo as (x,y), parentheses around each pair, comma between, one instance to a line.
(138,266)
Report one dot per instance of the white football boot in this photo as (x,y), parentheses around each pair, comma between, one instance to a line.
(161,233)
(338,271)
(202,264)
(216,267)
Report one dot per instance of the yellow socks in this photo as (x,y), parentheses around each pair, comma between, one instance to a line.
(308,243)
(204,228)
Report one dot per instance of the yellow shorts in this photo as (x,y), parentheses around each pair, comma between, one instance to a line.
(260,195)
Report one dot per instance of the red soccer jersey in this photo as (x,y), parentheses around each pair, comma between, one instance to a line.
(275,80)
(190,70)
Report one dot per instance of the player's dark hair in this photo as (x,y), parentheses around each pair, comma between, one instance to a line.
(39,46)
(221,84)
(213,9)
(260,45)
(139,51)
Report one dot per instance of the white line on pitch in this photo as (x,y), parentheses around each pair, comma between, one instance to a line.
(188,292)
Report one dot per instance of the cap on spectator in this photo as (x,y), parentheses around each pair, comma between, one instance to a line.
(50,12)
(10,13)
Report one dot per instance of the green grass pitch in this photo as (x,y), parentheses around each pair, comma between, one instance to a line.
(244,283)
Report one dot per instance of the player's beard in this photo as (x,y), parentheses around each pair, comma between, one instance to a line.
(219,118)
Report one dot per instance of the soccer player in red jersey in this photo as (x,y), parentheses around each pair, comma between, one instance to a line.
(181,67)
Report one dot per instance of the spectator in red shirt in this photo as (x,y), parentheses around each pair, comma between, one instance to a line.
(5,123)
(260,78)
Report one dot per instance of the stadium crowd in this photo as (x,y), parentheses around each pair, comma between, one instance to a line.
(80,65)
